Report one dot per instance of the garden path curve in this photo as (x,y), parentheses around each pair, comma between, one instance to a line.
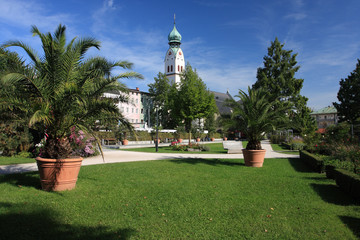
(115,156)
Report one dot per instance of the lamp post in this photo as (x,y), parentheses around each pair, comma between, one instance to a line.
(157,128)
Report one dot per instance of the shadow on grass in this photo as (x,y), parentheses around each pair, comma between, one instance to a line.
(35,222)
(332,194)
(212,162)
(29,179)
(299,165)
(352,223)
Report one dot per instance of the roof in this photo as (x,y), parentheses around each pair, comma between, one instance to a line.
(326,110)
(220,99)
(174,36)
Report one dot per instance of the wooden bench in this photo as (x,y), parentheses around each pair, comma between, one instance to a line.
(109,141)
(233,146)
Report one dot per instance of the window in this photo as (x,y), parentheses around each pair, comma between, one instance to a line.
(142,110)
(122,109)
(137,100)
(127,110)
(171,68)
(181,68)
(137,110)
(178,68)
(168,68)
(136,120)
(132,110)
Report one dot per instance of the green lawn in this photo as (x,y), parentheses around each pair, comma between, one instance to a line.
(181,199)
(281,148)
(15,160)
(215,148)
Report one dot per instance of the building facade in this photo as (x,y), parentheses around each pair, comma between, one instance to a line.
(325,117)
(137,109)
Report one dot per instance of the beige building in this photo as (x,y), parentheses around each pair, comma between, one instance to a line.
(325,117)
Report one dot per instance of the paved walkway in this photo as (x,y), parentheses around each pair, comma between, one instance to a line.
(115,156)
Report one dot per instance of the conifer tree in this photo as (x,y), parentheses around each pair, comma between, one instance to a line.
(277,77)
(349,97)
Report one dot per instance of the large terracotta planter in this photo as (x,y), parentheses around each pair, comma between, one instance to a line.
(254,158)
(212,139)
(197,139)
(225,138)
(125,142)
(58,174)
(180,140)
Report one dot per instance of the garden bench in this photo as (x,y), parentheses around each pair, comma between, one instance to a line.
(233,146)
(109,141)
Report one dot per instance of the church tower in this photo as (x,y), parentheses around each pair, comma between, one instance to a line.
(174,58)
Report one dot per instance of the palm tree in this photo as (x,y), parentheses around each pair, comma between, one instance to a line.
(65,90)
(254,116)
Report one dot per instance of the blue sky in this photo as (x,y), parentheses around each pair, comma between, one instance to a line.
(224,40)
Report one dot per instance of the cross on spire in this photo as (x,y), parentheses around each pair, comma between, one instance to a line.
(174,18)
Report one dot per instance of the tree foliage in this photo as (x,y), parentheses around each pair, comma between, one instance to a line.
(254,115)
(277,78)
(66,89)
(162,91)
(349,97)
(192,100)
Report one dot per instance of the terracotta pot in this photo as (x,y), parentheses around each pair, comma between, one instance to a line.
(125,142)
(225,138)
(180,140)
(157,141)
(197,139)
(58,174)
(212,139)
(254,158)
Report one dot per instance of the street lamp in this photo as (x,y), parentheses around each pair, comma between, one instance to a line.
(157,128)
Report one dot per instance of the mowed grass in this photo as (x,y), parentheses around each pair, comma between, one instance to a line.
(15,160)
(181,199)
(283,149)
(215,148)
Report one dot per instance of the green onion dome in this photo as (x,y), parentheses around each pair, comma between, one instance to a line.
(174,36)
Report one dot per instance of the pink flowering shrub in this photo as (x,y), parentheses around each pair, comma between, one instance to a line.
(81,144)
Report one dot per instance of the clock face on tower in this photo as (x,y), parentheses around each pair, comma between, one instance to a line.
(169,52)
(180,53)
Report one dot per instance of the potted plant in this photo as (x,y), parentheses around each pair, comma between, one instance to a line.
(254,116)
(180,131)
(64,90)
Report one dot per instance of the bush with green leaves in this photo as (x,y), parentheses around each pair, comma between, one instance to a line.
(277,138)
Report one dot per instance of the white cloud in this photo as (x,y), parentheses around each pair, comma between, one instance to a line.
(25,13)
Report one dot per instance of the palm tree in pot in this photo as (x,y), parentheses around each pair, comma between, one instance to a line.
(254,116)
(66,91)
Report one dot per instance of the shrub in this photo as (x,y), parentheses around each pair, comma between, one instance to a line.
(297,146)
(349,182)
(81,144)
(182,148)
(24,155)
(343,155)
(313,161)
(277,139)
(14,138)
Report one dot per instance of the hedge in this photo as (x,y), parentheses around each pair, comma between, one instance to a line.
(349,182)
(316,163)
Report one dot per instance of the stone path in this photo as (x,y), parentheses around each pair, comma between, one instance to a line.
(115,156)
